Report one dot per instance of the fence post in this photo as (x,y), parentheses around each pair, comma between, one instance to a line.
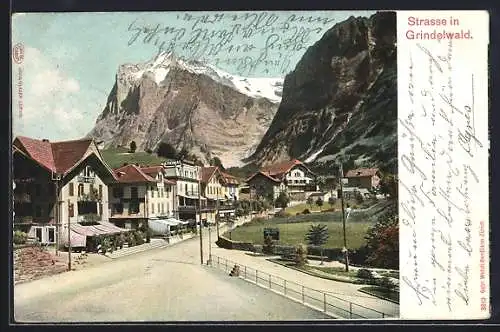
(245,271)
(218,263)
(256,277)
(284,286)
(303,300)
(269,281)
(226,265)
(324,302)
(350,309)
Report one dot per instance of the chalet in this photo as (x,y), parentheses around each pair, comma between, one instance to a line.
(57,183)
(366,178)
(290,176)
(140,193)
(231,187)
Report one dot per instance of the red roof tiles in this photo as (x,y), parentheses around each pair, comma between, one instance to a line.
(131,174)
(361,172)
(281,167)
(58,157)
(153,172)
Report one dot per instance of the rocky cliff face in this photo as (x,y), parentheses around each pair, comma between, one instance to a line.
(189,105)
(340,101)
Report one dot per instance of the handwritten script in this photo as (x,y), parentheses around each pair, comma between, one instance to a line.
(443,180)
(251,41)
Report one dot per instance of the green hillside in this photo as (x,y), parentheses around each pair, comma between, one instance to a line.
(116,157)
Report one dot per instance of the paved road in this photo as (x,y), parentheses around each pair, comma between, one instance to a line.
(166,284)
(343,290)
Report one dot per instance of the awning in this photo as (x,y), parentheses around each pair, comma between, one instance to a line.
(100,229)
(77,240)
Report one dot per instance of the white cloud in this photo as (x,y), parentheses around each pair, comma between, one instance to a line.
(50,99)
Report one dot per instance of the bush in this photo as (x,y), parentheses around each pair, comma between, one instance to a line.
(131,239)
(20,237)
(301,255)
(268,245)
(139,237)
(387,284)
(306,211)
(365,274)
(282,214)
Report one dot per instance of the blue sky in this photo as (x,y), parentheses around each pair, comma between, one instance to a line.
(70,59)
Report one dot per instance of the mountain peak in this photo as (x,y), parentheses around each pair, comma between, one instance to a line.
(160,66)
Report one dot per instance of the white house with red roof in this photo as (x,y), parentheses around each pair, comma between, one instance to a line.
(139,194)
(220,191)
(57,183)
(290,176)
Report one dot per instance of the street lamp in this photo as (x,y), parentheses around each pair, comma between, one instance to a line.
(209,262)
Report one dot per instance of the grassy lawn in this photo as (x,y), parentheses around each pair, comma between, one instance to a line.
(381,293)
(293,233)
(116,157)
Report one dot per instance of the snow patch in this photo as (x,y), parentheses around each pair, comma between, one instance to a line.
(260,87)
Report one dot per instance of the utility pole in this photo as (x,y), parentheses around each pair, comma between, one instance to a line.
(346,253)
(217,215)
(57,207)
(69,239)
(199,210)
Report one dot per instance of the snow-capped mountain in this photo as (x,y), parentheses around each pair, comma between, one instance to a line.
(190,105)
(158,69)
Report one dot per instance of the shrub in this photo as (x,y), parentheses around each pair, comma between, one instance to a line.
(282,214)
(106,245)
(306,211)
(131,239)
(268,245)
(139,237)
(387,284)
(301,255)
(20,237)
(365,274)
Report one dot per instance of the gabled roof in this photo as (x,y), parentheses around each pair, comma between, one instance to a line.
(263,174)
(153,171)
(281,167)
(132,174)
(58,157)
(229,179)
(361,172)
(207,173)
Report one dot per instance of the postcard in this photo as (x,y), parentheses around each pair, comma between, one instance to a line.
(235,166)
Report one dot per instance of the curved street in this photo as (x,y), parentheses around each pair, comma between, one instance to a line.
(169,284)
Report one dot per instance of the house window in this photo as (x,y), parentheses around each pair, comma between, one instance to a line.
(162,208)
(133,192)
(192,189)
(168,190)
(152,208)
(71,189)
(118,192)
(71,209)
(38,190)
(133,207)
(81,189)
(100,209)
(91,190)
(158,208)
(118,208)
(100,191)
(186,188)
(152,192)
(168,209)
